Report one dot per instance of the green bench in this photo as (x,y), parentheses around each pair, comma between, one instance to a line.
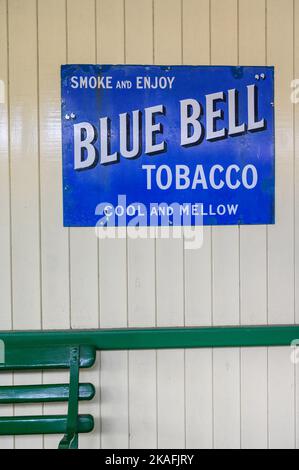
(45,357)
(75,349)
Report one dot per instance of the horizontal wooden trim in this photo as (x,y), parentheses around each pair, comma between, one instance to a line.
(156,338)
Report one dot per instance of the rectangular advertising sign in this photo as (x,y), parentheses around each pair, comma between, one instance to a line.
(156,145)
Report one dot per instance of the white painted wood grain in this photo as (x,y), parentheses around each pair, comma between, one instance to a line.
(81,48)
(170,282)
(24,164)
(170,399)
(84,288)
(24,184)
(253,261)
(169,262)
(196,32)
(6,442)
(198,263)
(226,399)
(198,269)
(281,261)
(113,264)
(141,263)
(142,400)
(5,267)
(296,202)
(114,400)
(199,399)
(296,159)
(225,246)
(281,399)
(254,398)
(54,238)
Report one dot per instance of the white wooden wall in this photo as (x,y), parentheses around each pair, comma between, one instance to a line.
(52,277)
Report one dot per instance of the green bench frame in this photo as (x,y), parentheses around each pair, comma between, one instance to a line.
(75,349)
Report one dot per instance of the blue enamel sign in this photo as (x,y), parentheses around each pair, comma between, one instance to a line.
(139,139)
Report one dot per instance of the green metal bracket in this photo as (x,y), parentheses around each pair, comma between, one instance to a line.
(70,439)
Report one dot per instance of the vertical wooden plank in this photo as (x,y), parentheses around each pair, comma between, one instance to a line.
(170,282)
(142,400)
(253,261)
(198,289)
(6,442)
(196,32)
(24,164)
(199,399)
(280,17)
(225,245)
(225,242)
(226,399)
(54,238)
(141,262)
(169,262)
(141,282)
(141,253)
(254,404)
(22,28)
(114,400)
(5,267)
(83,242)
(113,263)
(296,199)
(113,252)
(296,156)
(281,268)
(81,48)
(253,242)
(170,396)
(281,399)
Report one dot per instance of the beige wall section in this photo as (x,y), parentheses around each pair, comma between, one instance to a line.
(52,277)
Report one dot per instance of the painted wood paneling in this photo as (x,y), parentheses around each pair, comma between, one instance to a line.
(197,263)
(225,261)
(25,184)
(197,398)
(169,262)
(253,261)
(83,248)
(5,226)
(113,257)
(54,238)
(296,203)
(141,264)
(280,18)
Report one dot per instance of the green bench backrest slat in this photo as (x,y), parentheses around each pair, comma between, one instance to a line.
(45,357)
(22,425)
(43,393)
